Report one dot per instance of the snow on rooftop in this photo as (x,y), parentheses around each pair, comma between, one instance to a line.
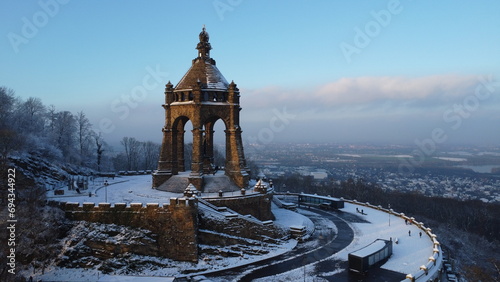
(287,218)
(370,249)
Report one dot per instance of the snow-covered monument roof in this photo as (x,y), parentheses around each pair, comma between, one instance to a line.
(203,69)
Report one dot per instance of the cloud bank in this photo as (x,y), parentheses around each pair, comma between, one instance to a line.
(354,92)
(366,109)
(360,109)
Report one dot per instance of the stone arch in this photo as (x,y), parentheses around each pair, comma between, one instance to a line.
(202,96)
(208,142)
(178,139)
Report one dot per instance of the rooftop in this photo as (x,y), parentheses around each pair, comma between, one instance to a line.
(203,69)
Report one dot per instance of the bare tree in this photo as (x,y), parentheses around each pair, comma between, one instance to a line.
(7,100)
(9,141)
(151,153)
(51,119)
(8,137)
(132,152)
(84,134)
(99,145)
(64,126)
(188,155)
(30,116)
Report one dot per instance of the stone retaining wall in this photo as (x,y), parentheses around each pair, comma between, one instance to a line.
(257,205)
(176,223)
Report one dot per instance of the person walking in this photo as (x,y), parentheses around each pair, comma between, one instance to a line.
(409,232)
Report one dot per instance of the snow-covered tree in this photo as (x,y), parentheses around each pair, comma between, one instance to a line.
(30,116)
(7,100)
(84,134)
(9,138)
(64,134)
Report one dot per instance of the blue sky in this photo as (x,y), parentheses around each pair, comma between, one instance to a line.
(322,71)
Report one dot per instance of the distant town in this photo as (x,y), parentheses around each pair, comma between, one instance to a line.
(465,173)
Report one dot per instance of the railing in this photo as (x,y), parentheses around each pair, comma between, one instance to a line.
(434,261)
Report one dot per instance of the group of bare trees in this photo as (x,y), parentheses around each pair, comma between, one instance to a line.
(137,155)
(30,126)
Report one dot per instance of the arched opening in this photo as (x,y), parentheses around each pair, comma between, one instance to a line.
(219,144)
(182,144)
(187,151)
(214,145)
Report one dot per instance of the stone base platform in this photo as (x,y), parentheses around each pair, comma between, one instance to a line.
(212,183)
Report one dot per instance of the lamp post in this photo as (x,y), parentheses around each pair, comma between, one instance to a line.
(106,191)
(389,214)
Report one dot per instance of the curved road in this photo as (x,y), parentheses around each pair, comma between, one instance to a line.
(331,244)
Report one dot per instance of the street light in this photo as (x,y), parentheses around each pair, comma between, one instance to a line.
(389,214)
(106,191)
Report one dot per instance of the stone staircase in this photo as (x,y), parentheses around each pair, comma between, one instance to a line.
(176,184)
(219,181)
(212,183)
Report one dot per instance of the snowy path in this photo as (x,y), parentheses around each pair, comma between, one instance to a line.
(411,252)
(331,235)
(330,244)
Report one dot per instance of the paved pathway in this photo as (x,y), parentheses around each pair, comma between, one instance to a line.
(301,256)
(329,244)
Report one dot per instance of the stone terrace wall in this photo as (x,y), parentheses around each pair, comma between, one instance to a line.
(238,227)
(258,205)
(175,224)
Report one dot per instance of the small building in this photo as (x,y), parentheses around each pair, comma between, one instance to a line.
(368,256)
(321,201)
(319,175)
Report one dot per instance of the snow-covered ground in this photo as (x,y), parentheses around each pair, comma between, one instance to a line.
(124,189)
(138,189)
(408,255)
(173,268)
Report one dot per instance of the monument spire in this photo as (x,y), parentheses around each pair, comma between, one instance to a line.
(203,96)
(204,46)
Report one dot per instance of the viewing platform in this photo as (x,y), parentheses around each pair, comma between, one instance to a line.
(416,252)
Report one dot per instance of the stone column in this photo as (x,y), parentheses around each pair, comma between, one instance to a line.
(180,150)
(165,164)
(208,154)
(196,165)
(235,159)
(195,177)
